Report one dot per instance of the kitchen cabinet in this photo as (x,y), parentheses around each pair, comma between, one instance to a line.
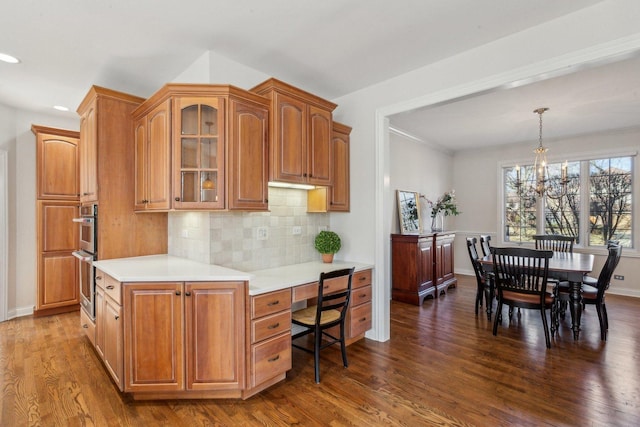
(153,160)
(359,314)
(217,148)
(196,343)
(421,266)
(108,326)
(336,197)
(107,153)
(270,341)
(57,161)
(301,124)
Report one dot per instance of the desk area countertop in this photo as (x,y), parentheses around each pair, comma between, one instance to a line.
(167,268)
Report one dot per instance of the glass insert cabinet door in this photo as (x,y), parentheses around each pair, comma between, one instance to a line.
(199,155)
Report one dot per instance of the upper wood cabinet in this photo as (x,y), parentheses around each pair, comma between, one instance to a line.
(217,148)
(339,192)
(152,159)
(301,123)
(58,163)
(107,170)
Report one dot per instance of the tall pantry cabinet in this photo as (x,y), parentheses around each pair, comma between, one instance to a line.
(57,183)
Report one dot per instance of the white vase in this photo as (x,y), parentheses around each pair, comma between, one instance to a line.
(437,223)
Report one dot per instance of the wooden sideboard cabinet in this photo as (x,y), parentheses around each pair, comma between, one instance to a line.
(421,266)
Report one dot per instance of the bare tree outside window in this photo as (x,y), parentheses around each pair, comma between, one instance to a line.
(610,200)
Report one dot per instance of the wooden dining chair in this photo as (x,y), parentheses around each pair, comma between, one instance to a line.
(484,279)
(521,281)
(334,293)
(554,242)
(485,244)
(594,294)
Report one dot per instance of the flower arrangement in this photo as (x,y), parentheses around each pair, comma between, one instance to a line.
(445,204)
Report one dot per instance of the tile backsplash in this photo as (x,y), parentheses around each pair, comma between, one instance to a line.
(250,241)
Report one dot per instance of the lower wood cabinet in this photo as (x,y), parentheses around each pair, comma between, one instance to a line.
(421,266)
(108,325)
(184,337)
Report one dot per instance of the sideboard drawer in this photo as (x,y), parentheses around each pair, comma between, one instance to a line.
(361,278)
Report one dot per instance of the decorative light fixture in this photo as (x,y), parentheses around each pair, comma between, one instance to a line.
(540,183)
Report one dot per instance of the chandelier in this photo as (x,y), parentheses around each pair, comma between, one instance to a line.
(540,182)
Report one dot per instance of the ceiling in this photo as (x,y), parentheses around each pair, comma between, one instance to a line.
(329,47)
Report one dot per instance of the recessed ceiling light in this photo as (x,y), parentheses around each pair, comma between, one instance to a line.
(60,108)
(8,58)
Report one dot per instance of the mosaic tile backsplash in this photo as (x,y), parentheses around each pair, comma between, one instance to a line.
(250,241)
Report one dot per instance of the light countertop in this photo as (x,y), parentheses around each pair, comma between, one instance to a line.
(167,268)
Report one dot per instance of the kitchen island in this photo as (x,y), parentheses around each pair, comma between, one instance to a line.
(168,327)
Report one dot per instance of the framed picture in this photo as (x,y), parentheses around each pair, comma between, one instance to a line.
(409,212)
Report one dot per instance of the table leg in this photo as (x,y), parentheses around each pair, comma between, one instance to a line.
(575,305)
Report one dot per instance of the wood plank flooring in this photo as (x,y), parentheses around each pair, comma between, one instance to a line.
(442,366)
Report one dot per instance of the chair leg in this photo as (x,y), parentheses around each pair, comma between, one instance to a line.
(316,353)
(343,347)
(489,301)
(498,318)
(603,326)
(546,328)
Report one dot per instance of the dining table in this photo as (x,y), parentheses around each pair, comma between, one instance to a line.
(569,266)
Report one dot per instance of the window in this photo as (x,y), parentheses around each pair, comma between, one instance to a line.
(594,203)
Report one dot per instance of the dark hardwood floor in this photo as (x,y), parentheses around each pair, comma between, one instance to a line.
(442,366)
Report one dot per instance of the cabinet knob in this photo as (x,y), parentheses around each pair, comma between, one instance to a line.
(117,317)
(178,293)
(177,199)
(187,294)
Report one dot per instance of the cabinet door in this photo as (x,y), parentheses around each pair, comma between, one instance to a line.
(215,331)
(113,357)
(58,167)
(339,197)
(320,152)
(199,149)
(425,268)
(57,230)
(444,262)
(89,154)
(153,337)
(100,321)
(158,155)
(59,286)
(289,142)
(141,173)
(248,145)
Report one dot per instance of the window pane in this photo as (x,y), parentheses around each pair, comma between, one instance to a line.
(610,201)
(520,206)
(562,201)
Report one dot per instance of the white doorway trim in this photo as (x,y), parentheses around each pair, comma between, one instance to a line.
(4,235)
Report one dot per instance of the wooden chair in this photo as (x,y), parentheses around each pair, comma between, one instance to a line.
(483,279)
(521,281)
(485,244)
(593,281)
(554,242)
(594,295)
(334,293)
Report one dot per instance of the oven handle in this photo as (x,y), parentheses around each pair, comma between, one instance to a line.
(82,256)
(83,220)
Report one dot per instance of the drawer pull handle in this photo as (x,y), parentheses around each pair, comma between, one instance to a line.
(273,359)
(85,326)
(362,278)
(117,317)
(110,287)
(326,287)
(364,319)
(98,277)
(273,326)
(272,303)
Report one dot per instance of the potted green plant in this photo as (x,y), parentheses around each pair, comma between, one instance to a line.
(328,243)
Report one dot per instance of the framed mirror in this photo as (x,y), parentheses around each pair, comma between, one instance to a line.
(409,212)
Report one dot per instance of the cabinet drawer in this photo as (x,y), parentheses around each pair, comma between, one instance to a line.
(360,321)
(111,286)
(270,303)
(361,278)
(270,358)
(360,296)
(88,327)
(270,326)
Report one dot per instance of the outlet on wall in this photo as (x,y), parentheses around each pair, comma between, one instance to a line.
(262,233)
(297,230)
(618,277)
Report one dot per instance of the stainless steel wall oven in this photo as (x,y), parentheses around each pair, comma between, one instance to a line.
(87,254)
